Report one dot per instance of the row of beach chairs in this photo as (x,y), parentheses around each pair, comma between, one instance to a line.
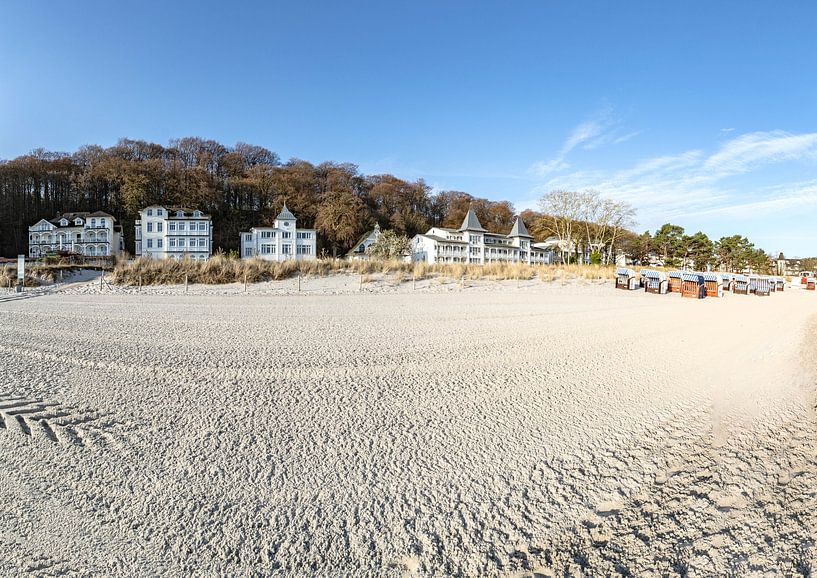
(699,285)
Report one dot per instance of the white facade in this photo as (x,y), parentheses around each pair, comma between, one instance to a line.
(473,244)
(174,233)
(88,234)
(281,242)
(360,250)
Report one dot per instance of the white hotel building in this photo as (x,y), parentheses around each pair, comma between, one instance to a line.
(471,243)
(173,233)
(89,234)
(281,242)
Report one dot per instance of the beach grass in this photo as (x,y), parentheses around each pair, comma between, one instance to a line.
(221,269)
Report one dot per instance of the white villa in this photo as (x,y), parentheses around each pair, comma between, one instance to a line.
(90,234)
(281,242)
(359,251)
(473,244)
(173,233)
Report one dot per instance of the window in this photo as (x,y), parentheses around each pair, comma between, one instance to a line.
(181,242)
(202,242)
(93,222)
(172,226)
(248,237)
(172,242)
(304,250)
(303,235)
(77,221)
(248,251)
(102,223)
(286,234)
(159,243)
(150,212)
(150,243)
(181,226)
(266,234)
(197,214)
(180,213)
(63,223)
(159,212)
(202,226)
(267,249)
(159,227)
(150,227)
(286,249)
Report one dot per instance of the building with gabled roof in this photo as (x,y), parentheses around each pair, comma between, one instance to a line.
(360,250)
(91,234)
(471,243)
(281,242)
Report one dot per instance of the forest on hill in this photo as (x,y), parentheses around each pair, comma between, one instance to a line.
(246,185)
(240,186)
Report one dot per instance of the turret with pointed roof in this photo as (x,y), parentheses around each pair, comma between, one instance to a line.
(519,229)
(471,223)
(285,214)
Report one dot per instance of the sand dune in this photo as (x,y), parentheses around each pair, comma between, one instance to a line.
(492,431)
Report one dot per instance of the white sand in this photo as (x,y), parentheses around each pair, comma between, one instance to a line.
(495,430)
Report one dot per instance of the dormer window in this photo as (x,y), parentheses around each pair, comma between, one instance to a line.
(102,222)
(197,214)
(93,222)
(64,223)
(180,213)
(77,221)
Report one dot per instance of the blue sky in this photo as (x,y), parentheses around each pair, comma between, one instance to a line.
(699,113)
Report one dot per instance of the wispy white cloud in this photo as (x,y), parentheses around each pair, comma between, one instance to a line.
(747,151)
(601,129)
(696,183)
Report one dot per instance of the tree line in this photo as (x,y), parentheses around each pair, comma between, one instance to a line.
(240,186)
(246,185)
(675,248)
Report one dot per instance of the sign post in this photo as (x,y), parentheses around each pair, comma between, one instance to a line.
(21,272)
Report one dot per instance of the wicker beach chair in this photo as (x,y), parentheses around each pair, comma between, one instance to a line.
(713,282)
(642,277)
(727,281)
(674,281)
(740,285)
(762,286)
(655,281)
(626,279)
(692,286)
(780,282)
(811,283)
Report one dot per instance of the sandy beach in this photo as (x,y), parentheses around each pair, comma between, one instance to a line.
(496,429)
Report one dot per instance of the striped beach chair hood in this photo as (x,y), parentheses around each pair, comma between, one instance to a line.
(697,277)
(652,274)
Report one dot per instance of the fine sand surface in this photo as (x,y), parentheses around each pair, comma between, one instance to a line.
(493,430)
